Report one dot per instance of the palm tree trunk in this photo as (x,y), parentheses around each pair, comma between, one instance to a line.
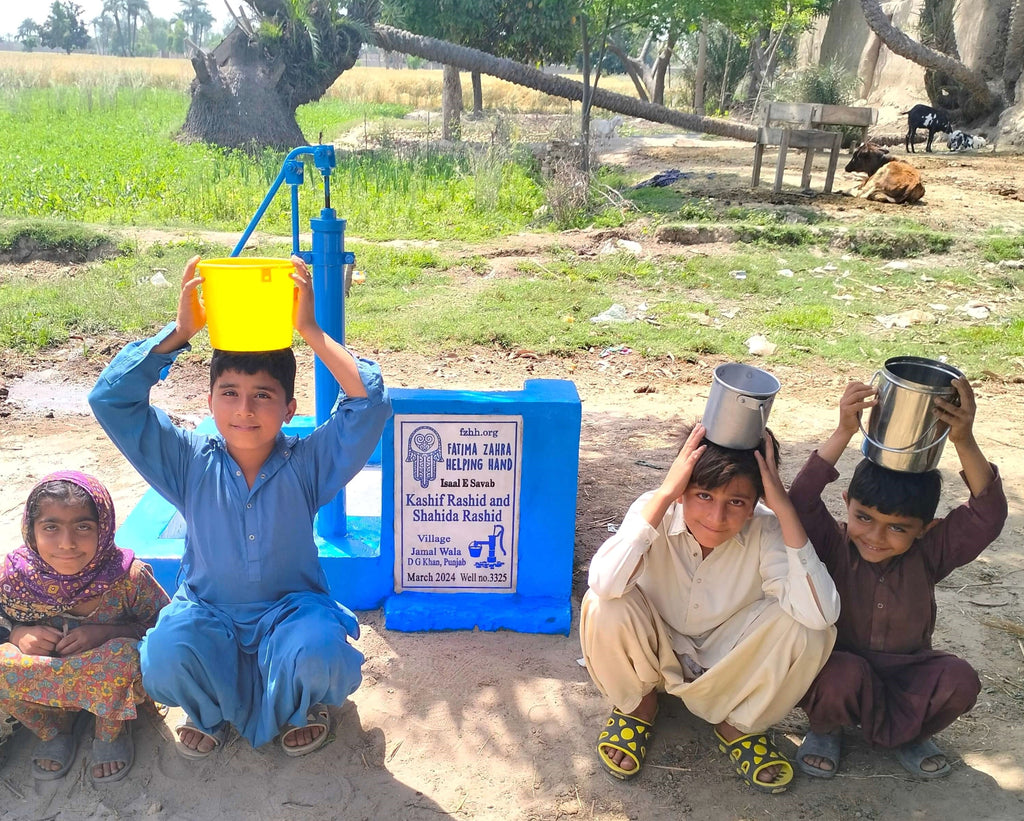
(469,59)
(451,105)
(702,67)
(478,94)
(899,43)
(588,95)
(1013,62)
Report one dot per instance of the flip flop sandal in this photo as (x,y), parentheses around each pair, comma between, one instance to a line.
(61,748)
(629,735)
(217,737)
(121,749)
(316,716)
(911,756)
(823,745)
(753,753)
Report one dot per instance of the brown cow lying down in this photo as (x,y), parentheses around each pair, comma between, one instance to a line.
(888,179)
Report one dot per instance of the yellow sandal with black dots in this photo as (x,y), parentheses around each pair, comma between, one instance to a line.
(753,753)
(629,735)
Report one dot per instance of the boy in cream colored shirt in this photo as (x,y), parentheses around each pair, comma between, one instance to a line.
(709,591)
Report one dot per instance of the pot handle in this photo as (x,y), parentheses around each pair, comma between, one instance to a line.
(860,419)
(911,448)
(759,405)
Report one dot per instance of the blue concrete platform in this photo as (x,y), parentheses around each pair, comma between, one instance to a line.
(498,490)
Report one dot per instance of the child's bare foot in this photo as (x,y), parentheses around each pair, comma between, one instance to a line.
(196,740)
(818,754)
(63,745)
(302,740)
(301,736)
(112,759)
(645,711)
(767,776)
(923,759)
(194,743)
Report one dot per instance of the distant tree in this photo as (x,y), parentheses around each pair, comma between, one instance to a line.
(104,34)
(530,31)
(158,35)
(176,44)
(64,28)
(134,10)
(28,34)
(197,19)
(126,15)
(115,10)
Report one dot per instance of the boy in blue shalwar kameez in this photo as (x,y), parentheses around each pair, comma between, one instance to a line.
(252,636)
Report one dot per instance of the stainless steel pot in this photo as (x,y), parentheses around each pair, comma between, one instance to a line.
(738,404)
(903,433)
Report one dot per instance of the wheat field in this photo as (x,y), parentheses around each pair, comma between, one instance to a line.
(416,88)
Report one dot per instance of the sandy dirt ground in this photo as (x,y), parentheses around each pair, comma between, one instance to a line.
(502,725)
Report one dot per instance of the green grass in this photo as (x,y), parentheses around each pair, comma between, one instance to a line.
(434,300)
(124,167)
(116,296)
(56,240)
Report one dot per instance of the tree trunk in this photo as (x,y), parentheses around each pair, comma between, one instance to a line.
(1013,62)
(635,69)
(478,94)
(587,99)
(451,105)
(234,100)
(702,67)
(660,68)
(899,43)
(757,66)
(469,59)
(245,93)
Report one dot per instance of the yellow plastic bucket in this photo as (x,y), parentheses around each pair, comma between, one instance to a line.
(248,303)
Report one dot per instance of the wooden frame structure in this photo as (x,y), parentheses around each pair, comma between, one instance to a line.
(800,125)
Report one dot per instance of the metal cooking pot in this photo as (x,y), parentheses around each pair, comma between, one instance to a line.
(738,404)
(903,433)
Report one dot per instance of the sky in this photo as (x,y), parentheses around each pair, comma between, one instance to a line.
(12,12)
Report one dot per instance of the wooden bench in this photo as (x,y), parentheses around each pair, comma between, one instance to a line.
(800,125)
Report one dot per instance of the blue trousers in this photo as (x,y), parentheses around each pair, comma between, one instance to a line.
(256,667)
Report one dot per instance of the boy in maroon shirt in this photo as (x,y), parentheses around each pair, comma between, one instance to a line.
(883,674)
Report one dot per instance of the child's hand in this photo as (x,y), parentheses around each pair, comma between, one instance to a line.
(856,398)
(191,311)
(86,637)
(682,468)
(960,418)
(775,495)
(303,314)
(36,639)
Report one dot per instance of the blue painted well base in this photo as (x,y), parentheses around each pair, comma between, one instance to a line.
(360,565)
(484,611)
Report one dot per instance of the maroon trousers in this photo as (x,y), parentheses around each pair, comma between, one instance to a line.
(894,698)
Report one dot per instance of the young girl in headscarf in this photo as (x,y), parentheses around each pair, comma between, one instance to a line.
(74,608)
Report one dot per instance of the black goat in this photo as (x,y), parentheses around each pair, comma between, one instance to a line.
(924,116)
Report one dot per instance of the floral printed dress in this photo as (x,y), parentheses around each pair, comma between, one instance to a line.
(106,681)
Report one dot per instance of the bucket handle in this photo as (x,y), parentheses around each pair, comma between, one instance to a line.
(909,448)
(742,400)
(860,418)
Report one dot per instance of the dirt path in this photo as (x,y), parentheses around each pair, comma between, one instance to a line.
(472,725)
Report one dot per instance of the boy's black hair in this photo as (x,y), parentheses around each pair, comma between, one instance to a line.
(56,490)
(896,492)
(718,466)
(279,364)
